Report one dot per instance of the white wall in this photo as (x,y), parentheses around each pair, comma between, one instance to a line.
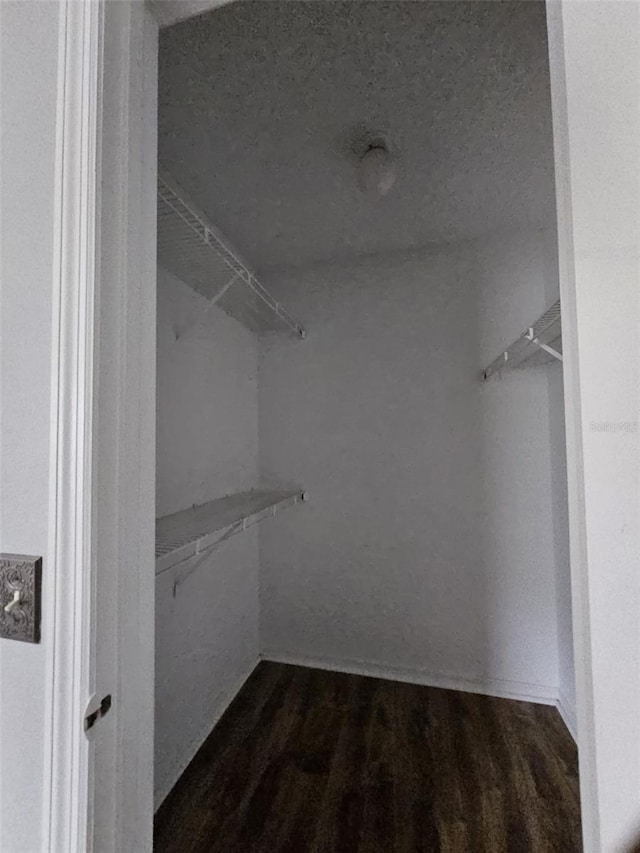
(29,57)
(560,514)
(426,548)
(206,646)
(560,510)
(207,446)
(595,66)
(513,273)
(207,400)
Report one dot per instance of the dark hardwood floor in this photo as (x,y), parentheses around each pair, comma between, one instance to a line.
(307,761)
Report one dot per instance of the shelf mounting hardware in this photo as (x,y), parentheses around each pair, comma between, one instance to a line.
(540,343)
(531,336)
(196,252)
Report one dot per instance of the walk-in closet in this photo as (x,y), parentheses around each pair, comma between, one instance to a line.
(363,611)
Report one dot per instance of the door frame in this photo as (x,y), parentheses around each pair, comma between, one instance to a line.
(102,432)
(580,610)
(115,366)
(66,804)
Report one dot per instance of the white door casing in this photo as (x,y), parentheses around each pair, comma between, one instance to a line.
(70,674)
(595,82)
(98,790)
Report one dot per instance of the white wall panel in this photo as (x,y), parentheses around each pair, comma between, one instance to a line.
(595,69)
(207,400)
(427,542)
(207,446)
(29,63)
(206,646)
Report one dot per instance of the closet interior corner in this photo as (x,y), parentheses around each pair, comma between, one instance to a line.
(360,419)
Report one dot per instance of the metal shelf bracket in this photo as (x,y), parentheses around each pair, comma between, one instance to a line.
(545,335)
(530,336)
(191,248)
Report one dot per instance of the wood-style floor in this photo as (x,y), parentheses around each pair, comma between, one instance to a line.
(306,761)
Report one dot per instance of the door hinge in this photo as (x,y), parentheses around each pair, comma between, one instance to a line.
(96,710)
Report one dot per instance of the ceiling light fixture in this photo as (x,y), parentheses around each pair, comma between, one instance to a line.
(376,169)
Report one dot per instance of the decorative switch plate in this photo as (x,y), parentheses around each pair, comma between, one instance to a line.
(20,580)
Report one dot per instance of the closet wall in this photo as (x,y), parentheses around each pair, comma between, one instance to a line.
(207,409)
(427,548)
(522,493)
(382,569)
(207,446)
(560,515)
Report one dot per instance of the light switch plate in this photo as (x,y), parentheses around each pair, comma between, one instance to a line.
(20,582)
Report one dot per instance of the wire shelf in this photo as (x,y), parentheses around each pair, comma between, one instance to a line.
(192,531)
(198,254)
(541,343)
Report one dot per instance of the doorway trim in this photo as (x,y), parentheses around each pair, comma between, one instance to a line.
(99,596)
(581,619)
(68,758)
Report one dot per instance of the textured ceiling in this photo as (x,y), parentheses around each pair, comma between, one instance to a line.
(260,103)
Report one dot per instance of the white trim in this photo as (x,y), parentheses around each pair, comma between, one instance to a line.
(568,714)
(67,797)
(542,694)
(125,421)
(582,634)
(227,699)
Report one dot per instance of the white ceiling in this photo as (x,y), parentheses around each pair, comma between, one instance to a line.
(260,103)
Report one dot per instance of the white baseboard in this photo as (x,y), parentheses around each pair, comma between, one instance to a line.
(227,699)
(542,694)
(568,714)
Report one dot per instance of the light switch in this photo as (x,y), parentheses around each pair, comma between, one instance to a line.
(20,582)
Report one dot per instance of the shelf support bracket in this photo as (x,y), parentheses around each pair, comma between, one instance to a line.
(223,290)
(530,336)
(210,304)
